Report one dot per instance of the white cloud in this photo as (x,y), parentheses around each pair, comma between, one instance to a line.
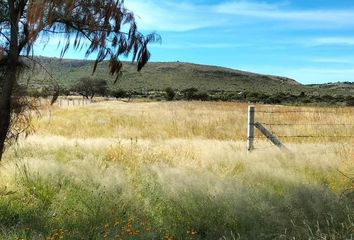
(335,17)
(173,15)
(190,45)
(344,60)
(333,41)
(310,42)
(245,7)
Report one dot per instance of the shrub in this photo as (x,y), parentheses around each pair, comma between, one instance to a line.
(350,102)
(120,93)
(37,93)
(169,94)
(34,93)
(272,100)
(189,93)
(88,87)
(203,96)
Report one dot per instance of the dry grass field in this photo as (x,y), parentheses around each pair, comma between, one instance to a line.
(179,170)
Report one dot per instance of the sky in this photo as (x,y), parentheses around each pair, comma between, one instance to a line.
(311,41)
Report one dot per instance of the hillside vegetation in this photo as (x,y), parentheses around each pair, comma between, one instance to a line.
(158,76)
(210,82)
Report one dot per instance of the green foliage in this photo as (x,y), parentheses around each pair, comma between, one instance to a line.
(194,82)
(120,93)
(37,93)
(170,94)
(194,94)
(350,101)
(89,87)
(179,76)
(189,93)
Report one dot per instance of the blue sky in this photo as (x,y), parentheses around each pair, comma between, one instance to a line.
(311,41)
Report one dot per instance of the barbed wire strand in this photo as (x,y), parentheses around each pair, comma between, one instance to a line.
(307,124)
(276,112)
(305,136)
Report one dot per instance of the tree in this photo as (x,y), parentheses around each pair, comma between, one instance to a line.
(120,93)
(101,23)
(170,94)
(89,87)
(189,93)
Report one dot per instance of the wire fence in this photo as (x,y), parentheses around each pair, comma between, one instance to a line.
(312,112)
(306,125)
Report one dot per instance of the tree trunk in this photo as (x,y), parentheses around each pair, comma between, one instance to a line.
(10,77)
(5,106)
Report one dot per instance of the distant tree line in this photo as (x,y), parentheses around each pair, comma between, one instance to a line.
(92,87)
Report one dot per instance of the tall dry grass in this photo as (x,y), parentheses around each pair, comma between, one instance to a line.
(157,170)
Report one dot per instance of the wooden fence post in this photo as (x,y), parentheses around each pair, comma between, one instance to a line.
(250,128)
(270,136)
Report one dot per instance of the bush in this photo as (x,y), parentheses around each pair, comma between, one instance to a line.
(202,96)
(350,102)
(272,100)
(89,87)
(34,93)
(120,93)
(37,93)
(189,93)
(169,94)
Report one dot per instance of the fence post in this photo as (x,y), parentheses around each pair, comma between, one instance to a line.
(270,136)
(250,128)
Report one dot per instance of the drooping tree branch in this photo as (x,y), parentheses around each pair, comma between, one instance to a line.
(107,25)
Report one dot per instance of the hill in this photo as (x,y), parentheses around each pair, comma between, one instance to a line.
(158,76)
(178,76)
